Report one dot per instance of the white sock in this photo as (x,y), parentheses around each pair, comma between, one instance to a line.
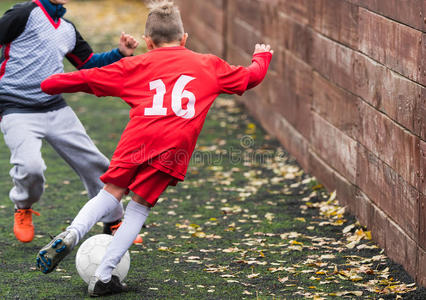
(100,205)
(134,218)
(115,215)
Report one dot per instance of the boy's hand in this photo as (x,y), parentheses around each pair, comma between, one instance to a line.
(263,48)
(127,44)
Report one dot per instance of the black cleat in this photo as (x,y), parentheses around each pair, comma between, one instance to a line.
(98,288)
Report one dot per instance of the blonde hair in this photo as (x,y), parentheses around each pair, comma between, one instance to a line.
(164,23)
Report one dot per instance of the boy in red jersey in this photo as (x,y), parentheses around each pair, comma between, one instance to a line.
(170,90)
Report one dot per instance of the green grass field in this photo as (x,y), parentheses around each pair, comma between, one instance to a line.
(247,223)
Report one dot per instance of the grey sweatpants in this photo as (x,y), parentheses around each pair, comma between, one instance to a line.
(23,134)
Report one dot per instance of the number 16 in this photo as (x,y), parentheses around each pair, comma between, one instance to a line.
(178,94)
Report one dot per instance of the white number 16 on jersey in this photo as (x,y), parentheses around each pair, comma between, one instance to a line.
(178,94)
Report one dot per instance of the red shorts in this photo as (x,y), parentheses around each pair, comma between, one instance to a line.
(144,180)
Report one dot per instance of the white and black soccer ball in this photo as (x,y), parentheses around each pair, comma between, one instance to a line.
(90,254)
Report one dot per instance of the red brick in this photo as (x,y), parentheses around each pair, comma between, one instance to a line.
(278,62)
(243,35)
(421,267)
(398,97)
(393,94)
(235,56)
(336,105)
(393,44)
(248,11)
(424,16)
(422,221)
(218,3)
(364,209)
(277,126)
(214,44)
(407,12)
(292,140)
(422,168)
(333,181)
(295,37)
(211,15)
(336,148)
(334,61)
(386,90)
(422,67)
(197,45)
(379,226)
(400,248)
(370,177)
(395,146)
(270,28)
(299,10)
(389,191)
(292,93)
(322,171)
(336,19)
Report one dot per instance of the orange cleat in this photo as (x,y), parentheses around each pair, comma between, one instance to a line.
(111,228)
(23,226)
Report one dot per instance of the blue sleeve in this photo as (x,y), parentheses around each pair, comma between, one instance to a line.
(99,60)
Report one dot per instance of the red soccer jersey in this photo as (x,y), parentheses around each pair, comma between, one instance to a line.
(170,91)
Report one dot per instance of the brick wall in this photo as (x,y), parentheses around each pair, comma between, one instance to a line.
(346,95)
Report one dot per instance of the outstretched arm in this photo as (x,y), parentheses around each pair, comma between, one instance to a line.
(65,83)
(82,56)
(261,58)
(106,81)
(126,47)
(237,79)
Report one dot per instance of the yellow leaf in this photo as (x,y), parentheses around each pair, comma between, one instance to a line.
(199,234)
(351,245)
(297,248)
(317,187)
(339,222)
(253,275)
(368,235)
(355,278)
(355,293)
(269,216)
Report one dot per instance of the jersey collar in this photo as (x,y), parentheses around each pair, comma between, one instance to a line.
(54,11)
(169,48)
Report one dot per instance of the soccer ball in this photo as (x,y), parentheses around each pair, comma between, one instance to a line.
(90,254)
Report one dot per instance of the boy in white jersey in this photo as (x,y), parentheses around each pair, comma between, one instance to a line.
(34,39)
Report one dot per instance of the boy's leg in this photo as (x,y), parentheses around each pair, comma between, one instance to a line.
(56,250)
(69,138)
(148,185)
(95,209)
(102,282)
(22,134)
